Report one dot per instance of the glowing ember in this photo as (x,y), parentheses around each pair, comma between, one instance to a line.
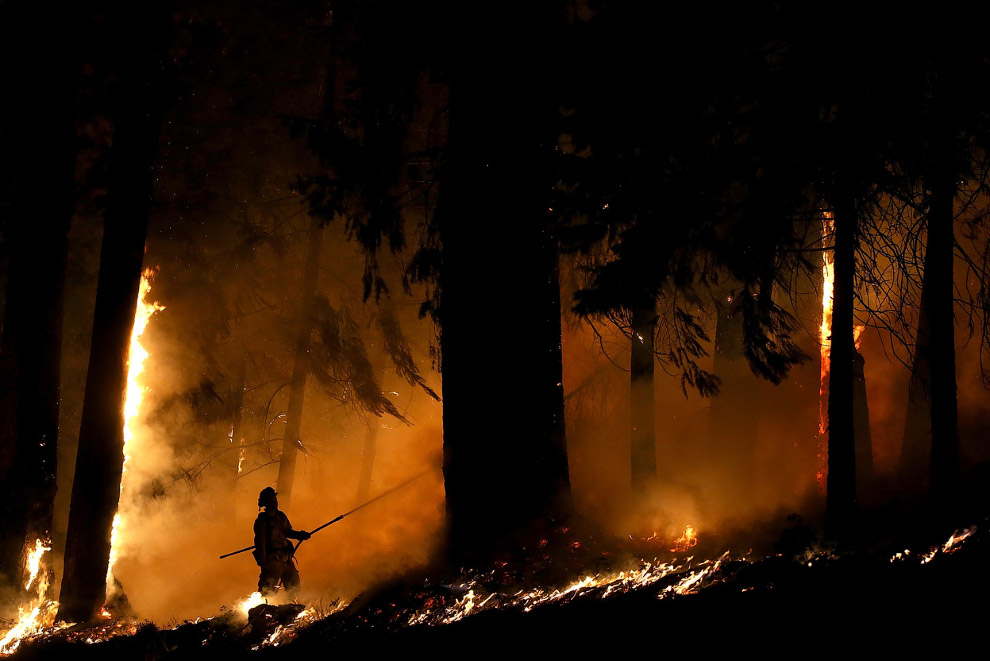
(951,545)
(957,538)
(475,600)
(132,405)
(686,541)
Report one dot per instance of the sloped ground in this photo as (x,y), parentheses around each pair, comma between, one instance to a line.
(811,604)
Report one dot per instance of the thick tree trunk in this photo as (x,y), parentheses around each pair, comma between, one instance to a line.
(735,412)
(939,311)
(142,37)
(861,426)
(372,425)
(916,441)
(841,501)
(642,414)
(300,364)
(505,460)
(38,139)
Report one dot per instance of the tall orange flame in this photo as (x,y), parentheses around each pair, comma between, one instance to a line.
(825,339)
(132,405)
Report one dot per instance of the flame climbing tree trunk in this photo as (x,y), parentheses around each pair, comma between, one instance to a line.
(505,459)
(841,503)
(38,135)
(139,37)
(642,414)
(300,364)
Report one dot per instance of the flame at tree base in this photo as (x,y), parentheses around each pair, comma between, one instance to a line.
(39,615)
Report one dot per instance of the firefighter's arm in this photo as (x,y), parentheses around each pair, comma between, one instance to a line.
(301,535)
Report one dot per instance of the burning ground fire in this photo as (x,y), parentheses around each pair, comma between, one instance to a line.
(687,578)
(429,605)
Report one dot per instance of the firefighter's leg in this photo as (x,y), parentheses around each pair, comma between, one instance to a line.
(270,573)
(290,578)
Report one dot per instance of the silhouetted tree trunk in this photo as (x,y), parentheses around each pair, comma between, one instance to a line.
(372,425)
(841,502)
(861,425)
(37,140)
(140,33)
(939,311)
(300,364)
(505,459)
(734,412)
(916,441)
(642,414)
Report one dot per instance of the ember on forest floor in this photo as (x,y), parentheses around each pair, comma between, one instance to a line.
(436,603)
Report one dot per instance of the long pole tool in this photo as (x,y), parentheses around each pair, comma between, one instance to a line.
(335,520)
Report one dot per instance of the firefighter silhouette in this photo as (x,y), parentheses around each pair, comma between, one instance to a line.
(272,549)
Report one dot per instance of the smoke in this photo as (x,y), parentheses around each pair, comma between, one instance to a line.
(191,490)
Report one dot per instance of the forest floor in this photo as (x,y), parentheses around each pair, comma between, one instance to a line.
(798,600)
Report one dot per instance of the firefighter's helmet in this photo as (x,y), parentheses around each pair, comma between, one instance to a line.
(267,497)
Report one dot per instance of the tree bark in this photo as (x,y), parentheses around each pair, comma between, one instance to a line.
(642,413)
(841,500)
(505,458)
(939,311)
(372,425)
(141,31)
(735,412)
(300,364)
(916,441)
(861,426)
(39,140)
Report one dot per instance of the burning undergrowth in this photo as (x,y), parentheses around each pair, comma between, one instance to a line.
(515,593)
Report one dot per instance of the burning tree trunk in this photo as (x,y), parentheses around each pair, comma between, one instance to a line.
(505,459)
(142,33)
(39,137)
(300,365)
(641,398)
(841,501)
